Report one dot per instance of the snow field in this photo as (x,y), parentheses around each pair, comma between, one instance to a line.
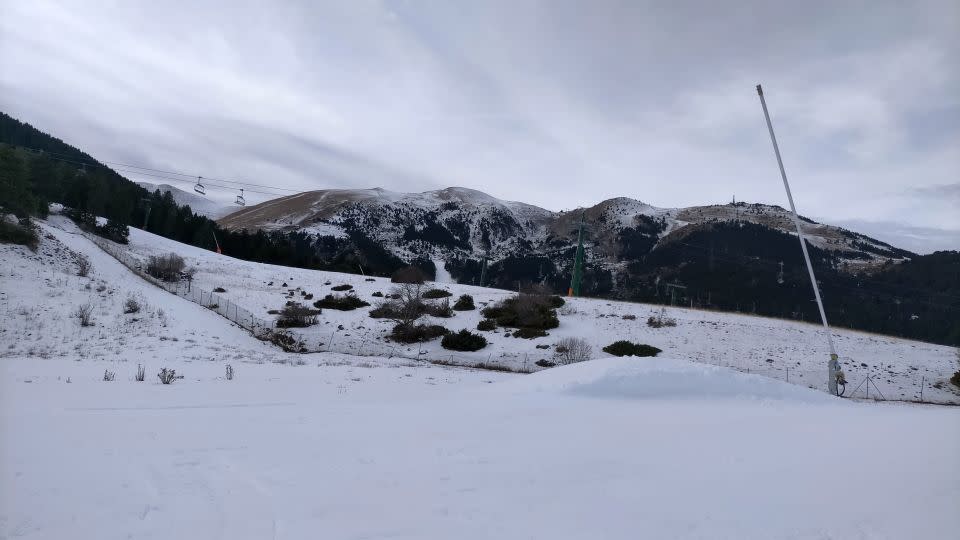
(329,445)
(785,350)
(425,452)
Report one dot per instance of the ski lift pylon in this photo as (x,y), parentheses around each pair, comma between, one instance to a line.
(198,187)
(240,200)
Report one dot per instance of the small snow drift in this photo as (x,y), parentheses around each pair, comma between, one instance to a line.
(662,379)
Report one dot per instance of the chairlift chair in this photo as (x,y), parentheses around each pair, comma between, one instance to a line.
(198,187)
(240,200)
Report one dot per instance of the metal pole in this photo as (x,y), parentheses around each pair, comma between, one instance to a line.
(833,365)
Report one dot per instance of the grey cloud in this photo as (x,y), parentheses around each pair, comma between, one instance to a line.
(557,103)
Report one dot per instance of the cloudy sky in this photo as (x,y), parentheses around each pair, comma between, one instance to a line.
(554,103)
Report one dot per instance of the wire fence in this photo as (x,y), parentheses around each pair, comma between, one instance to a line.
(346,341)
(370,342)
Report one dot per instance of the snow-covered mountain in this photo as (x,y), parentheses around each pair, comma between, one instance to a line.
(198,203)
(456,223)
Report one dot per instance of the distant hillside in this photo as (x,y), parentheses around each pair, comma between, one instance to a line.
(198,203)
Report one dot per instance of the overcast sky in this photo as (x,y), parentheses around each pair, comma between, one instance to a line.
(558,104)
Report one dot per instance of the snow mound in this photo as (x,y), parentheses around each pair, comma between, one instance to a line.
(661,379)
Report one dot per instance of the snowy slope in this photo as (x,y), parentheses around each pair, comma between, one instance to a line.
(328,445)
(414,453)
(785,350)
(198,203)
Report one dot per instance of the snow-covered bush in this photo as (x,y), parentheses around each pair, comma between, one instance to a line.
(627,348)
(464,303)
(487,325)
(83,266)
(572,349)
(297,316)
(131,305)
(229,372)
(525,311)
(347,302)
(463,340)
(340,288)
(84,313)
(18,232)
(413,333)
(956,379)
(219,290)
(141,373)
(436,293)
(660,320)
(166,267)
(440,309)
(108,375)
(287,341)
(529,333)
(167,376)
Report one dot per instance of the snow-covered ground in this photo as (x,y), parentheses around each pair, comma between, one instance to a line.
(786,350)
(328,445)
(614,448)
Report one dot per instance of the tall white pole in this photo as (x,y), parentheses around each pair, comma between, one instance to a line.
(833,364)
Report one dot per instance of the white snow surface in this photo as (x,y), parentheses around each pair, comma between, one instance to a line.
(328,445)
(786,350)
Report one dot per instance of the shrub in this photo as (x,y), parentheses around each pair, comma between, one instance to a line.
(386,310)
(340,288)
(439,309)
(286,341)
(378,294)
(141,373)
(464,303)
(956,379)
(347,302)
(166,267)
(487,324)
(308,296)
(130,305)
(463,340)
(408,274)
(219,289)
(83,266)
(529,333)
(297,316)
(84,313)
(627,348)
(109,375)
(572,349)
(369,279)
(629,317)
(555,301)
(273,312)
(544,363)
(22,233)
(113,230)
(660,320)
(413,333)
(436,293)
(229,374)
(167,376)
(523,311)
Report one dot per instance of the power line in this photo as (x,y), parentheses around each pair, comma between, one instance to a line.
(187,177)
